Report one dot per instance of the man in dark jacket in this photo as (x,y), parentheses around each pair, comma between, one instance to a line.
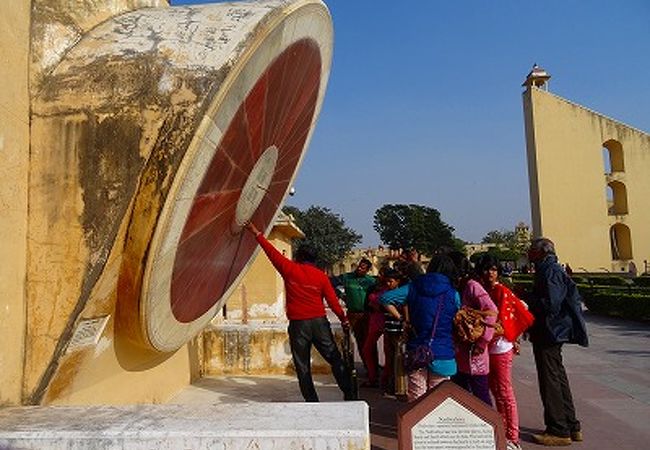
(555,303)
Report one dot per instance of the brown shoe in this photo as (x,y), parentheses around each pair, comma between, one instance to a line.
(576,436)
(550,440)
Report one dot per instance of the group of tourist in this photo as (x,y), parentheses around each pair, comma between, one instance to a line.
(419,309)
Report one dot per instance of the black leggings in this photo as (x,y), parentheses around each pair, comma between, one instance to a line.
(475,384)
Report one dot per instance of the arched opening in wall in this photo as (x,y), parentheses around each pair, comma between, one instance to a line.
(616,198)
(620,242)
(613,157)
(609,195)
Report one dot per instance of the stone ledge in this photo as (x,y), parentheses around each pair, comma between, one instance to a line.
(276,426)
(255,348)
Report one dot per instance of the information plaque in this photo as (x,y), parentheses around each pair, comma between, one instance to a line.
(450,418)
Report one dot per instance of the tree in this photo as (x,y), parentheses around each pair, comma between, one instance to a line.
(511,245)
(325,231)
(502,254)
(500,237)
(413,226)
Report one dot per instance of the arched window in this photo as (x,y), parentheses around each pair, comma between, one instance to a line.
(616,198)
(609,195)
(613,157)
(620,242)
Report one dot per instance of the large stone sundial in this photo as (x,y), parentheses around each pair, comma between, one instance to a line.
(155,134)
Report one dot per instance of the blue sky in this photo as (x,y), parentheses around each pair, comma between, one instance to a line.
(424,101)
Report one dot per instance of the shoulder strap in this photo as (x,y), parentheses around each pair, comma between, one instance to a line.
(435,322)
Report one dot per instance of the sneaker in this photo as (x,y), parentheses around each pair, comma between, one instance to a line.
(512,445)
(390,395)
(576,436)
(551,440)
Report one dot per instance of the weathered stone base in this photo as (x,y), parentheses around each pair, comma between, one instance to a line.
(273,426)
(253,349)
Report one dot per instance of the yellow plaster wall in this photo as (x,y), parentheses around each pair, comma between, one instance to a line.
(99,377)
(568,182)
(262,349)
(14,164)
(260,295)
(114,371)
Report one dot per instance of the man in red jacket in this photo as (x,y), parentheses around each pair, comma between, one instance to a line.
(306,285)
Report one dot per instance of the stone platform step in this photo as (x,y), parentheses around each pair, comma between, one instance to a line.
(272,426)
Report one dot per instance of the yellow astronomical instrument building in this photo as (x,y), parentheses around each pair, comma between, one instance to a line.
(589,182)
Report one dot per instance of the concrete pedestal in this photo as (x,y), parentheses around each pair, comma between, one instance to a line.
(281,426)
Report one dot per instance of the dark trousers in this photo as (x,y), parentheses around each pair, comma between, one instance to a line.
(359,326)
(317,332)
(559,412)
(476,384)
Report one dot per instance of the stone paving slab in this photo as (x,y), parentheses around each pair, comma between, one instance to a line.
(276,426)
(610,381)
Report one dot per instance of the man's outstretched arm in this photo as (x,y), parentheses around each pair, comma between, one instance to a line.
(279,261)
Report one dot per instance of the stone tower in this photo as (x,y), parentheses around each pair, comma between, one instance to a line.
(589,181)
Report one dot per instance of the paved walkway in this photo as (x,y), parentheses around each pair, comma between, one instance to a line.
(610,382)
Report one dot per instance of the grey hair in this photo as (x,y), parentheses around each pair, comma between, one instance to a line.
(544,245)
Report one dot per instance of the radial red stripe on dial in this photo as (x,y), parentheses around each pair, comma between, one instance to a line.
(247,179)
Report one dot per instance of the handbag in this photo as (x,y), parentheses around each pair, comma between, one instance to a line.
(513,313)
(421,356)
(469,324)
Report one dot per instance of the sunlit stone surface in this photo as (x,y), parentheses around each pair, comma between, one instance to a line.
(276,426)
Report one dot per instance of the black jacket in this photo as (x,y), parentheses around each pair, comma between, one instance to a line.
(556,304)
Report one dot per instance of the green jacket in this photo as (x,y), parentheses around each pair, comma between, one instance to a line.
(356,288)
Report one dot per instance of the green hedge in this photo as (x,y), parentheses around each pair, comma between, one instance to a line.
(607,300)
(516,277)
(609,281)
(580,280)
(642,281)
(628,306)
(522,283)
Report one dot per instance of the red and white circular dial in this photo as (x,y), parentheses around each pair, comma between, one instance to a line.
(242,173)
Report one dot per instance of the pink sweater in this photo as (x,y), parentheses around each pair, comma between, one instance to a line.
(475,296)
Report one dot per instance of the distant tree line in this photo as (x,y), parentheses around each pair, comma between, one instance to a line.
(399,227)
(509,245)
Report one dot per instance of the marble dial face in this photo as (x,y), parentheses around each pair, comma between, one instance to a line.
(246,180)
(241,172)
